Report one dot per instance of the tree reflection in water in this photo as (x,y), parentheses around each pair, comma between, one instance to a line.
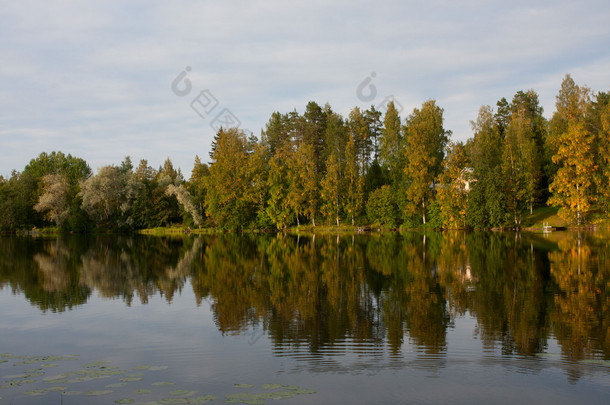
(316,293)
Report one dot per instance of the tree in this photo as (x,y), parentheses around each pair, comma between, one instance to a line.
(314,128)
(361,134)
(597,122)
(186,200)
(231,201)
(573,186)
(54,198)
(305,183)
(277,132)
(354,182)
(571,103)
(107,197)
(197,182)
(391,143)
(279,207)
(143,208)
(520,167)
(331,189)
(452,194)
(381,208)
(574,153)
(74,169)
(425,144)
(486,202)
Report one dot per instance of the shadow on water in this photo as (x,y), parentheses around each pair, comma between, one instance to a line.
(316,297)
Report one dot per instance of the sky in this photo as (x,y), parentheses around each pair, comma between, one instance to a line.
(153,79)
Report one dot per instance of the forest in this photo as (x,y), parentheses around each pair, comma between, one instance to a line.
(320,168)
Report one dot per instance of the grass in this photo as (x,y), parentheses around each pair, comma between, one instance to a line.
(549,216)
(544,215)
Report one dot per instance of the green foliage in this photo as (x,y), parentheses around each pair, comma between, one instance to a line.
(452,191)
(391,145)
(107,197)
(425,146)
(231,202)
(381,207)
(321,165)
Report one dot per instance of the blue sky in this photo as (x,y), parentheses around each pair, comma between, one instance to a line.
(94,79)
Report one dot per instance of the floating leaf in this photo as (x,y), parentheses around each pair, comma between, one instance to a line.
(125,401)
(141,391)
(243,385)
(16,376)
(56,388)
(304,391)
(50,365)
(202,399)
(162,383)
(181,393)
(281,394)
(143,367)
(134,375)
(72,393)
(131,379)
(95,393)
(116,385)
(56,377)
(35,392)
(271,386)
(173,401)
(95,364)
(15,383)
(157,368)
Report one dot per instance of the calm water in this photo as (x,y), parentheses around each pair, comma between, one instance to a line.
(437,318)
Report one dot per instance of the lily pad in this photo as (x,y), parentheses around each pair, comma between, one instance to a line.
(201,399)
(116,385)
(131,379)
(271,386)
(96,364)
(15,383)
(56,388)
(181,393)
(56,377)
(162,383)
(142,391)
(243,385)
(134,375)
(9,377)
(72,393)
(50,365)
(157,368)
(142,367)
(125,401)
(96,393)
(304,391)
(35,392)
(170,401)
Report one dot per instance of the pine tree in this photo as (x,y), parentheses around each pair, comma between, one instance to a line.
(354,182)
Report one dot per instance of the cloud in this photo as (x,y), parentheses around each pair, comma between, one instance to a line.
(94,78)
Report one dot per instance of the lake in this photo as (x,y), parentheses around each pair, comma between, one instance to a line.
(418,318)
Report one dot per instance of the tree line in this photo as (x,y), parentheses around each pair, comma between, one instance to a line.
(322,168)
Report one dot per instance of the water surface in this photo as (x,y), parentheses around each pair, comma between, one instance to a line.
(414,318)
